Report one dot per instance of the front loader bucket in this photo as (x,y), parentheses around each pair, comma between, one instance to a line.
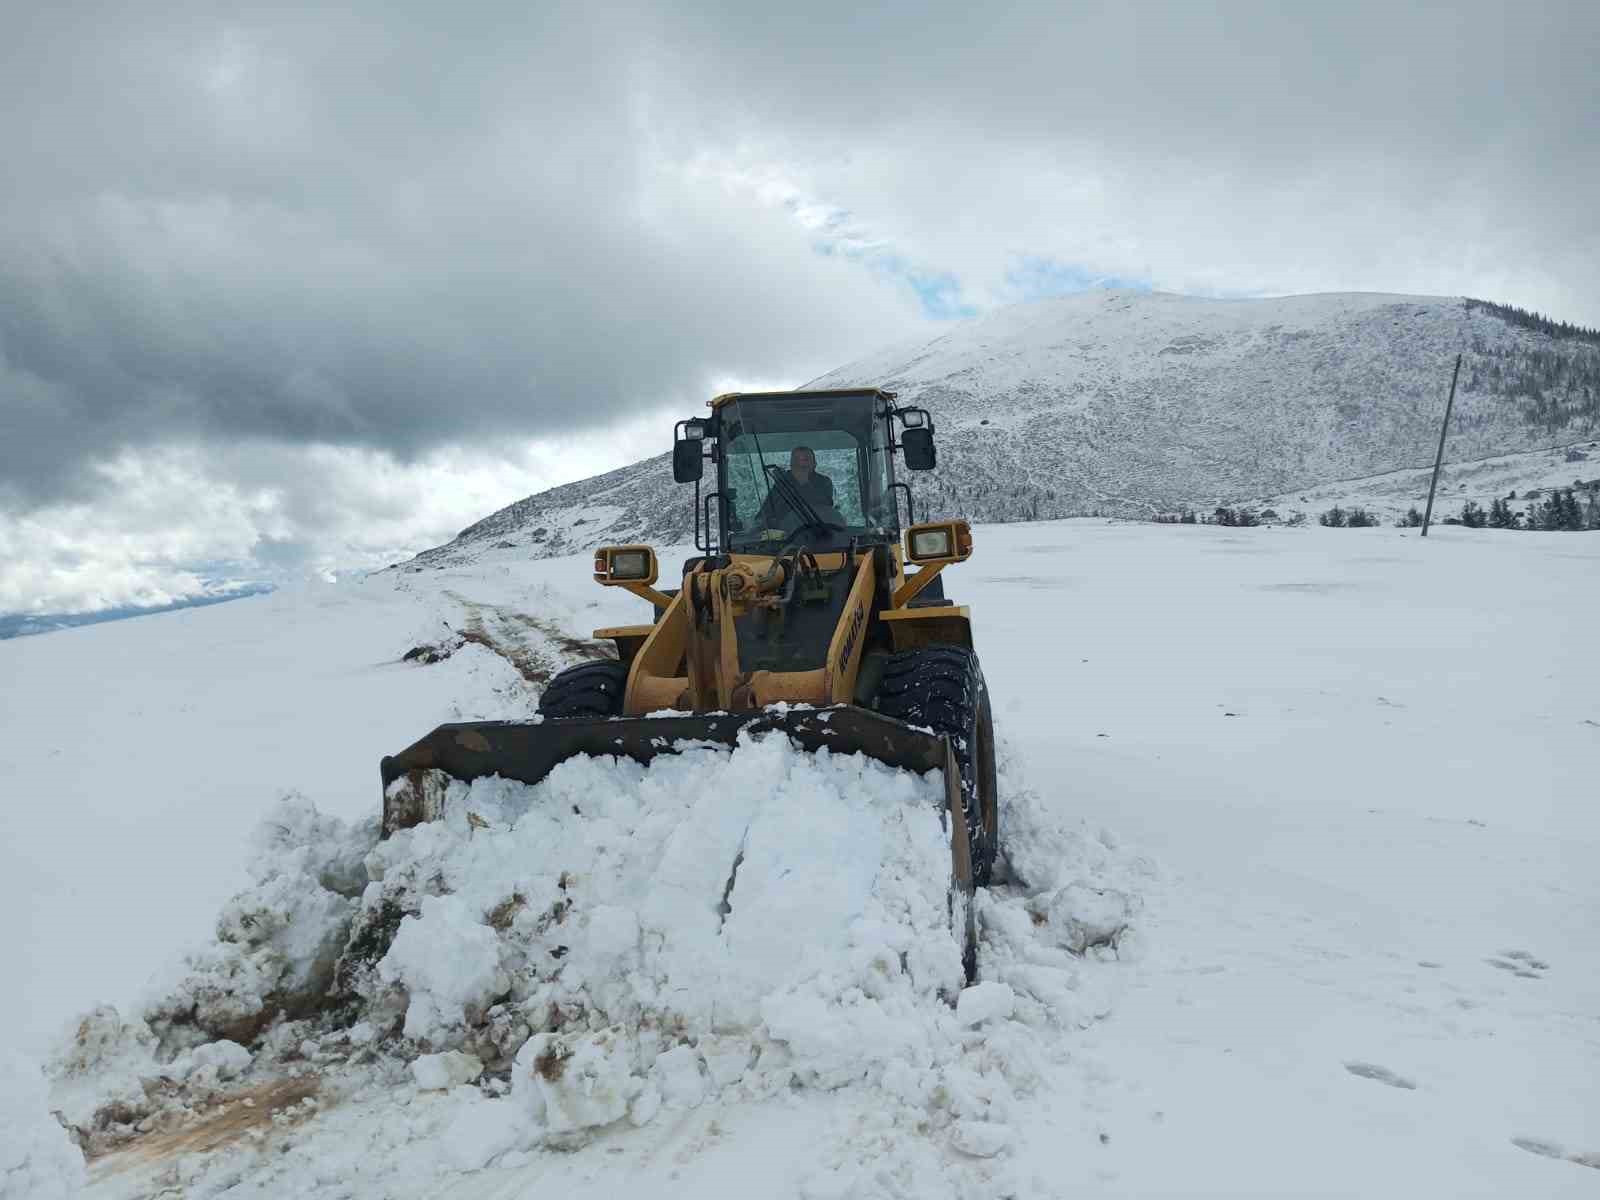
(527,751)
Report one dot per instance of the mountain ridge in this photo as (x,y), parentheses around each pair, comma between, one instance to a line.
(21,624)
(1120,403)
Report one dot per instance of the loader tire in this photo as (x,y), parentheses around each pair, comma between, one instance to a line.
(942,687)
(591,689)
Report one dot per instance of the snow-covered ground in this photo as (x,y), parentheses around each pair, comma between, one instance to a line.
(1339,781)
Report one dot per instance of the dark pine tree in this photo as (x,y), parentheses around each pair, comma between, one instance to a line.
(1571,513)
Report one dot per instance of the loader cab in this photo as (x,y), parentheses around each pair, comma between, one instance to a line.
(758,506)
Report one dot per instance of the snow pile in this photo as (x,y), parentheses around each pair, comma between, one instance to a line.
(276,946)
(554,963)
(620,939)
(278,941)
(37,1161)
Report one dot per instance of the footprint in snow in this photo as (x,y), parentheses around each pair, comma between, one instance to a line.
(1380,1074)
(1309,588)
(1520,963)
(1537,1146)
(1554,1150)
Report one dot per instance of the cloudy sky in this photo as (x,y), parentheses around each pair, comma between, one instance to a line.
(293,290)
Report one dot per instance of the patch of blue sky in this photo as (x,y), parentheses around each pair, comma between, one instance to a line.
(940,293)
(1038,277)
(837,233)
(1222,293)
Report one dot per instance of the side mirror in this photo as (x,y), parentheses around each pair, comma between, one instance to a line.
(688,464)
(917,445)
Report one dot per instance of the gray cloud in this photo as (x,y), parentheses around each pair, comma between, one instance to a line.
(408,229)
(376,233)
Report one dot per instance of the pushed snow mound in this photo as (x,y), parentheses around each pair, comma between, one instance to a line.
(551,964)
(37,1162)
(680,897)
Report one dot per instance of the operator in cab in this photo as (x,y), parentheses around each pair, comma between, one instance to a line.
(815,489)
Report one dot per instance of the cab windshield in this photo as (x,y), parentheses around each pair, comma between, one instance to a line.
(772,499)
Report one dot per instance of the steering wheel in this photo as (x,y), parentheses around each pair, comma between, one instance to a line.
(793,522)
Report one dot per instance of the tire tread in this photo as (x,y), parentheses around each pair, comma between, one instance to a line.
(592,689)
(942,688)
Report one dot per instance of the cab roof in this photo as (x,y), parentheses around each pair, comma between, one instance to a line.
(727,397)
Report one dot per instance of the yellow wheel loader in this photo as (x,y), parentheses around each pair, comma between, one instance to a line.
(815,607)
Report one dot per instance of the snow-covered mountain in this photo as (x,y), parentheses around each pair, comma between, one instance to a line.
(1127,403)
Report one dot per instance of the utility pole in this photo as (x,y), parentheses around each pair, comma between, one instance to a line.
(1438,459)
